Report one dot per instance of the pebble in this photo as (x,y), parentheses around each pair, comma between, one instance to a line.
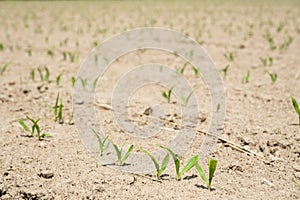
(46,174)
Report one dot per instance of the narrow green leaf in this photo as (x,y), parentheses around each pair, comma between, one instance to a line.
(164,163)
(127,154)
(152,158)
(212,166)
(201,173)
(22,123)
(164,94)
(175,159)
(191,163)
(296,106)
(4,68)
(119,153)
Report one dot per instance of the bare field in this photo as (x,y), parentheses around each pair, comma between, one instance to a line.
(258,152)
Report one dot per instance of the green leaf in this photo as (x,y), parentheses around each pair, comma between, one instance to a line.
(201,173)
(296,106)
(191,163)
(22,123)
(163,165)
(152,158)
(175,159)
(4,68)
(127,154)
(164,94)
(212,166)
(119,153)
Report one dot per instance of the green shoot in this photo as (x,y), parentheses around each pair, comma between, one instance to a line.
(225,70)
(246,77)
(101,142)
(1,47)
(166,95)
(4,68)
(57,110)
(46,76)
(212,165)
(196,71)
(118,150)
(185,100)
(73,81)
(83,82)
(159,169)
(296,107)
(50,52)
(263,60)
(74,57)
(32,75)
(58,79)
(35,127)
(229,56)
(191,163)
(273,77)
(64,53)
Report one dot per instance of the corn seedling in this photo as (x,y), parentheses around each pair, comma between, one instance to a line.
(64,55)
(101,142)
(186,100)
(4,68)
(266,61)
(191,163)
(32,75)
(287,43)
(196,71)
(73,81)
(46,76)
(1,47)
(212,165)
(225,70)
(50,52)
(58,79)
(246,77)
(118,150)
(74,57)
(159,169)
(229,56)
(273,77)
(166,95)
(296,107)
(83,82)
(35,127)
(57,109)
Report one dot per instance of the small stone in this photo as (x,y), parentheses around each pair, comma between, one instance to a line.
(46,174)
(296,168)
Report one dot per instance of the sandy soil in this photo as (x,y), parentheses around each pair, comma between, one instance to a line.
(258,153)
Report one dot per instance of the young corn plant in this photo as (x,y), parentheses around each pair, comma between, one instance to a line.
(212,166)
(57,109)
(167,95)
(273,77)
(32,75)
(296,107)
(190,164)
(186,100)
(246,77)
(119,151)
(34,127)
(159,169)
(73,81)
(4,68)
(103,143)
(229,56)
(58,78)
(46,76)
